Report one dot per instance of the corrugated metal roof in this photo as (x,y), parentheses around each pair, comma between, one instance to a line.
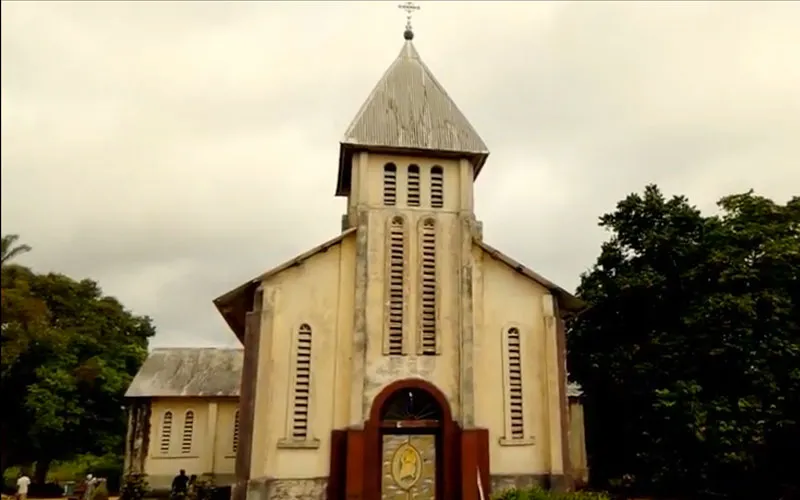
(185,372)
(409,109)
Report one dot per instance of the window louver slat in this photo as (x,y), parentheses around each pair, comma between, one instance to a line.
(437,187)
(188,432)
(515,384)
(302,384)
(235,442)
(166,432)
(413,186)
(389,184)
(395,285)
(428,287)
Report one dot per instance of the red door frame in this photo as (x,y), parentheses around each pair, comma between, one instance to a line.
(447,453)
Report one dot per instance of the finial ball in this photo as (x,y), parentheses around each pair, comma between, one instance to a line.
(408,34)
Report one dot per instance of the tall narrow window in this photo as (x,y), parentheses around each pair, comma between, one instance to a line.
(514,390)
(395,286)
(188,432)
(166,432)
(428,287)
(235,440)
(389,184)
(437,187)
(302,384)
(413,186)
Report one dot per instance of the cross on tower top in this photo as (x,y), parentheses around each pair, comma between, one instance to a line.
(409,7)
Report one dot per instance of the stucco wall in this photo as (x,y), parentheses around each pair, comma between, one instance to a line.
(213,430)
(443,370)
(505,298)
(367,188)
(577,443)
(317,292)
(343,300)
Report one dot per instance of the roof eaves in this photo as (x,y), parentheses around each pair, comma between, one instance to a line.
(567,300)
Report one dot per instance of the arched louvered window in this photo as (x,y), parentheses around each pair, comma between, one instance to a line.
(413,185)
(166,432)
(395,286)
(427,293)
(437,187)
(302,384)
(513,360)
(188,432)
(235,440)
(389,184)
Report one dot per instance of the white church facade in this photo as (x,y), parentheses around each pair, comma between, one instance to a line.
(404,358)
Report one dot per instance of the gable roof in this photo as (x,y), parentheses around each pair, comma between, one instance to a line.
(187,372)
(235,304)
(566,301)
(409,111)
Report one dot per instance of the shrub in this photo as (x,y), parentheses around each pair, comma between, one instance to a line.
(207,490)
(134,487)
(537,493)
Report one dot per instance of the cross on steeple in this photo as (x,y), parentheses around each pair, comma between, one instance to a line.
(409,7)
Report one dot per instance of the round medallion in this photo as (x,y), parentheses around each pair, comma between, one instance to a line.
(406,466)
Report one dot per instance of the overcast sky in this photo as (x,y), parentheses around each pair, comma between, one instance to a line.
(172,151)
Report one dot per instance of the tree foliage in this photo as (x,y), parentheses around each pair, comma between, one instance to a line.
(689,351)
(68,355)
(8,249)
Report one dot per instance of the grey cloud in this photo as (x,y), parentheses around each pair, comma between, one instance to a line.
(144,142)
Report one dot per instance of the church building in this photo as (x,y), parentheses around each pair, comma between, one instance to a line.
(405,358)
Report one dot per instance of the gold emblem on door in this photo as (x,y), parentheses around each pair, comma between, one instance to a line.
(406,466)
(409,467)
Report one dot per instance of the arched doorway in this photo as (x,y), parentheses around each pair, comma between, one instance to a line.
(411,440)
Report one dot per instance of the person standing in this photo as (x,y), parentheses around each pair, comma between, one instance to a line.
(23,481)
(90,482)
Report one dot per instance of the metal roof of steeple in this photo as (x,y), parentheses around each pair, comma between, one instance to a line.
(410,110)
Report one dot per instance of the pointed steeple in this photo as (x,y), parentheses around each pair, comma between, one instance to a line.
(409,111)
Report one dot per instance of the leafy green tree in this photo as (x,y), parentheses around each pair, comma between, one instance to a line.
(689,351)
(68,355)
(8,250)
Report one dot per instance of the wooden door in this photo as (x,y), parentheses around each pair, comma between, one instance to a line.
(408,469)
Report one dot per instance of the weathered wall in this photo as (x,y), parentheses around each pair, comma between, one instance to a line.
(367,187)
(577,443)
(211,452)
(443,370)
(317,292)
(505,298)
(287,489)
(137,440)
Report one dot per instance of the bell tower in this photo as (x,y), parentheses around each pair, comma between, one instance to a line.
(407,164)
(409,114)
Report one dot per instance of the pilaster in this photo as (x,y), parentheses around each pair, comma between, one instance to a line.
(211,437)
(359,348)
(552,386)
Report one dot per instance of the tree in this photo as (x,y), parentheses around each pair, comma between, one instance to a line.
(689,351)
(8,251)
(68,355)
